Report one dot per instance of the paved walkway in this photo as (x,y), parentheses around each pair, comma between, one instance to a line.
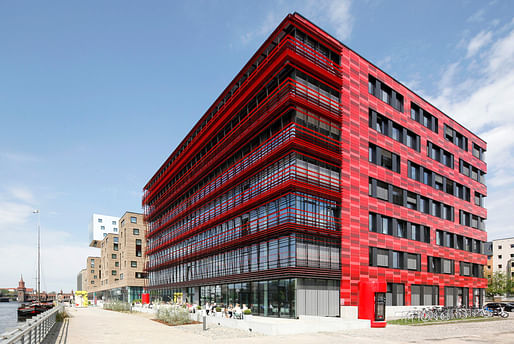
(93,325)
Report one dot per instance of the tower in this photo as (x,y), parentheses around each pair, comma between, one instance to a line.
(21,290)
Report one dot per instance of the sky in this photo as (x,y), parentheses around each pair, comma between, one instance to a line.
(95,95)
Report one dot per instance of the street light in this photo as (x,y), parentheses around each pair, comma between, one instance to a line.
(38,254)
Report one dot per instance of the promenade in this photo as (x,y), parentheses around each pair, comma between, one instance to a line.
(93,325)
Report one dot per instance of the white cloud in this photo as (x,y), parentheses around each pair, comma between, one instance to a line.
(483,101)
(61,258)
(476,17)
(477,42)
(267,26)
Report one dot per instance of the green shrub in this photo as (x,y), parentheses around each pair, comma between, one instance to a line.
(218,309)
(117,306)
(247,312)
(174,315)
(60,316)
(198,307)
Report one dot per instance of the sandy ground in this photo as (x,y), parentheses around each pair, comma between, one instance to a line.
(93,325)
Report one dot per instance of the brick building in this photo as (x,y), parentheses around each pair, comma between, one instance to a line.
(313,171)
(122,260)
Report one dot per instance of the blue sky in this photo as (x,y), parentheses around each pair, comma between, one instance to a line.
(95,95)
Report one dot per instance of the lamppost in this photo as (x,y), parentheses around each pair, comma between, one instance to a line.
(38,254)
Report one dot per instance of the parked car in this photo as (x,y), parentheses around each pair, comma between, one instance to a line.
(507,307)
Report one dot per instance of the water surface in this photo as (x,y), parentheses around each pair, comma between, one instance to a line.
(8,316)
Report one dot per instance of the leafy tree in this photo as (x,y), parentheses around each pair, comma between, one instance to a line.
(497,284)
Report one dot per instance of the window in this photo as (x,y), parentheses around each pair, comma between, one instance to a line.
(114,223)
(499,256)
(133,219)
(499,266)
(102,227)
(384,158)
(113,272)
(105,234)
(478,152)
(423,117)
(133,264)
(382,257)
(395,294)
(385,93)
(115,240)
(138,248)
(392,226)
(393,259)
(117,264)
(113,256)
(455,137)
(121,276)
(135,231)
(441,265)
(440,155)
(141,275)
(471,171)
(412,261)
(500,247)
(115,230)
(403,135)
(115,247)
(92,271)
(424,295)
(99,220)
(470,220)
(122,222)
(380,190)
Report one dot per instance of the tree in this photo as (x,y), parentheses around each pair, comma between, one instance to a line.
(497,284)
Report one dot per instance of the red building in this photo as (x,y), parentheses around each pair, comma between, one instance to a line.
(313,171)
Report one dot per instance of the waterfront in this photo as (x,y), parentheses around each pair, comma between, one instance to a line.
(8,316)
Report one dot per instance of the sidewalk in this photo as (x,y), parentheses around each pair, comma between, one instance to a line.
(94,325)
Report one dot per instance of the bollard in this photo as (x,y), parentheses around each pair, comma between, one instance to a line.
(204,323)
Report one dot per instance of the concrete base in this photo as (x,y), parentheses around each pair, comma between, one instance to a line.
(278,326)
(349,312)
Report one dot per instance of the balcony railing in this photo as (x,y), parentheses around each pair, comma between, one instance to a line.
(289,43)
(288,89)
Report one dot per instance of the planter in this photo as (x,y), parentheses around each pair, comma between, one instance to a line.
(247,316)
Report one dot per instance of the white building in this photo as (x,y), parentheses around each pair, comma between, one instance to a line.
(503,256)
(100,226)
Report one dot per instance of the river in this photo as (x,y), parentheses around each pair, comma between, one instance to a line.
(8,316)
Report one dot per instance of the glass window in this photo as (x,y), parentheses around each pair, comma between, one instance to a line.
(382,257)
(133,264)
(412,261)
(135,231)
(133,219)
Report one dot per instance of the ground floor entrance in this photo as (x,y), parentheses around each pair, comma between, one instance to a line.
(281,298)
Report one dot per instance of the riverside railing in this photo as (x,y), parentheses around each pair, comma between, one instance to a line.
(34,330)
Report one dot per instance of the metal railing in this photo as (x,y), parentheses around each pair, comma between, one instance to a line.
(34,330)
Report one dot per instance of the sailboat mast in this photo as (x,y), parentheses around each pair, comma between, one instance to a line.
(38,254)
(38,261)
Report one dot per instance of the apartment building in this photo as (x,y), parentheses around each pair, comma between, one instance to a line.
(122,260)
(93,275)
(81,279)
(100,226)
(312,174)
(502,256)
